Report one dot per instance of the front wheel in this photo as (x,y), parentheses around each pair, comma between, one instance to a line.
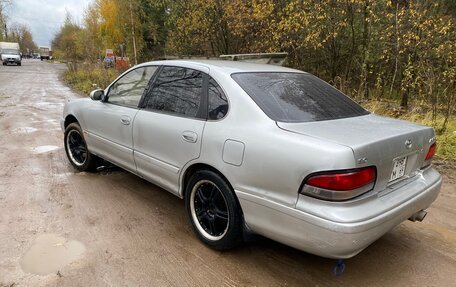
(76,149)
(213,210)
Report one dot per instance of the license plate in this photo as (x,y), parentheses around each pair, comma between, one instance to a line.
(398,168)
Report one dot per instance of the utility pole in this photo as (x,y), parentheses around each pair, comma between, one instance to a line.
(133,34)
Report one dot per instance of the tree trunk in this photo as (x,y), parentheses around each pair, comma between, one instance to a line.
(351,13)
(396,58)
(363,90)
(405,98)
(448,111)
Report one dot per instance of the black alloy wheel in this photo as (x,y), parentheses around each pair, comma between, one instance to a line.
(77,147)
(213,210)
(210,208)
(77,151)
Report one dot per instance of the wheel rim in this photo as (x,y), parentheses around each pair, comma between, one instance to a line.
(76,148)
(209,210)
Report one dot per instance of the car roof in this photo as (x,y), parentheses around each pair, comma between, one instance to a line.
(225,66)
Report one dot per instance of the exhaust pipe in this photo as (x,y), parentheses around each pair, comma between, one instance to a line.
(419,216)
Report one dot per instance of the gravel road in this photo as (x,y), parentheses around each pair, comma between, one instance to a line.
(119,230)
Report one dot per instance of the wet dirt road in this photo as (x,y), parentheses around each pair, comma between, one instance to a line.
(132,233)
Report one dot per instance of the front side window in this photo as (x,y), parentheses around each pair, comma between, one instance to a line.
(297,97)
(218,104)
(128,90)
(177,91)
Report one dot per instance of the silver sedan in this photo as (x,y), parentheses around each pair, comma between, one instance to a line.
(259,149)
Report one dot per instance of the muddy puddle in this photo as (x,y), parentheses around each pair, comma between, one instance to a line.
(24,130)
(50,253)
(45,148)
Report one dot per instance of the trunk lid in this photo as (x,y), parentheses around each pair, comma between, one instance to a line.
(375,140)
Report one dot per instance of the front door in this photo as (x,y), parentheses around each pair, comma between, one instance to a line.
(110,122)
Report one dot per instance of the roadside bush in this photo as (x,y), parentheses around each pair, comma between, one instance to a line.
(446,138)
(87,77)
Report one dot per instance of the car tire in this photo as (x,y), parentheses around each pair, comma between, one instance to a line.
(77,151)
(213,210)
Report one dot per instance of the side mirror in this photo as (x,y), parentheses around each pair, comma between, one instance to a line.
(97,95)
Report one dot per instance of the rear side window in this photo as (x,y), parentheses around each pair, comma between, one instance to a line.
(218,104)
(296,97)
(177,91)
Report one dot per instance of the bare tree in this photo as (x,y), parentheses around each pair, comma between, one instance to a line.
(3,27)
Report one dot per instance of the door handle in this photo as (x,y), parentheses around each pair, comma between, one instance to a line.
(190,137)
(125,120)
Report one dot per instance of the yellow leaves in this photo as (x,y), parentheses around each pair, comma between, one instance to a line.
(110,23)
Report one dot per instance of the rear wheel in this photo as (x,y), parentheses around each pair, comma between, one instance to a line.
(213,210)
(76,149)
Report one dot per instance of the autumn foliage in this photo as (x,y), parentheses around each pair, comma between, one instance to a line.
(402,50)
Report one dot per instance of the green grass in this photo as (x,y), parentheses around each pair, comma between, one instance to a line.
(445,159)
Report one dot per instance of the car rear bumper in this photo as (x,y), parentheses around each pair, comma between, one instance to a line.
(348,227)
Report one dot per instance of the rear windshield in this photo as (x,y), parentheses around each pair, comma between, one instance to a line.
(297,97)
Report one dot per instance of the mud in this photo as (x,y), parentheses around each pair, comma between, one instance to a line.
(136,234)
(44,148)
(50,253)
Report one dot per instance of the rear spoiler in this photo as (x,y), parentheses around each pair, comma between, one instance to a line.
(277,59)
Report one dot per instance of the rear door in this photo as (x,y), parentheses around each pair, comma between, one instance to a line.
(168,131)
(109,124)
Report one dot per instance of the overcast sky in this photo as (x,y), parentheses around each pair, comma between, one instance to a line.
(45,17)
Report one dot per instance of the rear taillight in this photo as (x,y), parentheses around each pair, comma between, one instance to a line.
(340,185)
(431,152)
